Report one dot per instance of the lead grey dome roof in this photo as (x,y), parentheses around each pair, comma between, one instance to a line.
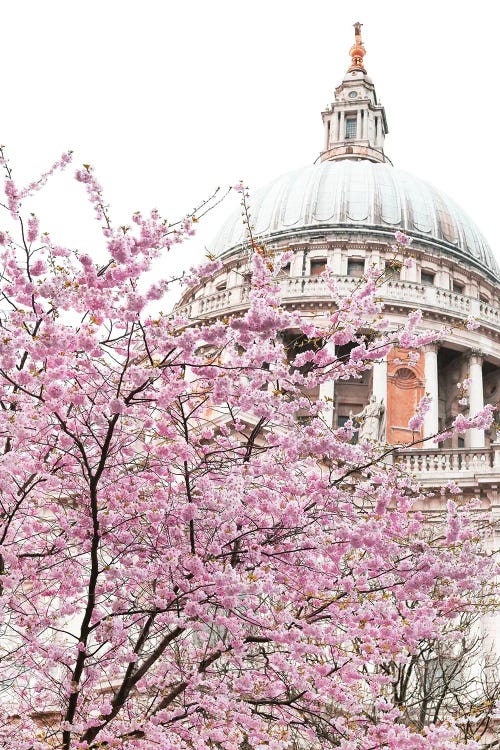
(375,198)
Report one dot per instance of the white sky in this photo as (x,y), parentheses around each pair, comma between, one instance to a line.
(170,99)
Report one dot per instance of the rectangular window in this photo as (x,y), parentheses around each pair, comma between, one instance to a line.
(458,288)
(317,267)
(285,271)
(427,278)
(355,268)
(392,270)
(350,127)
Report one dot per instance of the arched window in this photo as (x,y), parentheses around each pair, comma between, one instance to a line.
(404,373)
(404,378)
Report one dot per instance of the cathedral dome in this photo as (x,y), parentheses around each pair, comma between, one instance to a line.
(374,198)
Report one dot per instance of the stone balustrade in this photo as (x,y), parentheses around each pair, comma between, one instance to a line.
(421,295)
(305,288)
(447,462)
(489,313)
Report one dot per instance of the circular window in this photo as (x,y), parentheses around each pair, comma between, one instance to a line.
(352,95)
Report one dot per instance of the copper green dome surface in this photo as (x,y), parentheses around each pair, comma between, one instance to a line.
(372,198)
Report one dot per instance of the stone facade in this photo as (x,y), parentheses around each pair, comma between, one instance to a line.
(343,212)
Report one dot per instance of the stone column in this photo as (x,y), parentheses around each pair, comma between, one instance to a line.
(296,263)
(336,261)
(379,380)
(233,278)
(375,259)
(379,387)
(410,274)
(365,126)
(327,391)
(431,418)
(358,126)
(341,127)
(472,288)
(476,399)
(328,133)
(444,278)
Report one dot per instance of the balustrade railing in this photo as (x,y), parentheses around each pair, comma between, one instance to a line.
(446,461)
(489,313)
(295,287)
(428,296)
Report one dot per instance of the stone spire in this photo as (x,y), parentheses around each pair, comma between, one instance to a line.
(355,123)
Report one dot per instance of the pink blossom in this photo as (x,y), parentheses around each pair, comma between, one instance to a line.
(402,238)
(116,406)
(33,227)
(423,406)
(38,267)
(480,421)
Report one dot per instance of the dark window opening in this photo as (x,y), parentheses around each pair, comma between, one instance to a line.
(404,373)
(298,344)
(393,270)
(355,268)
(304,419)
(285,271)
(342,354)
(318,266)
(427,278)
(458,288)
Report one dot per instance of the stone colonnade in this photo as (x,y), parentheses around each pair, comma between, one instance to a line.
(475,394)
(431,418)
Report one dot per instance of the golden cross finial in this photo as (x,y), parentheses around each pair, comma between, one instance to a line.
(357,51)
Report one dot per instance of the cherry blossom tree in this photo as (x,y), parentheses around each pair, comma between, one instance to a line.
(456,675)
(184,562)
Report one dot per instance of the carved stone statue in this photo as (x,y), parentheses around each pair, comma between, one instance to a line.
(371,420)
